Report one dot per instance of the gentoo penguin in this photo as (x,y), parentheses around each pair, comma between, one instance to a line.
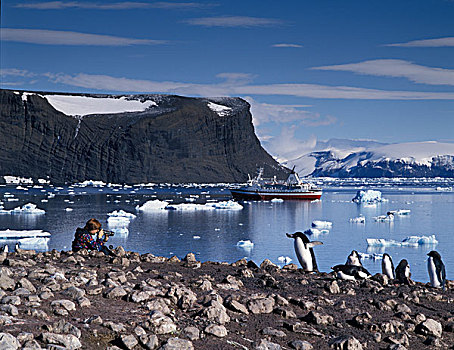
(403,272)
(4,249)
(387,266)
(351,272)
(436,268)
(354,259)
(304,251)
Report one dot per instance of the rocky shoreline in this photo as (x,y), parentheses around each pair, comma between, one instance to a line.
(66,300)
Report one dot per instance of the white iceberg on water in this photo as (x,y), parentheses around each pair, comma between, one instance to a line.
(284,259)
(315,231)
(373,256)
(152,205)
(368,196)
(246,244)
(39,243)
(358,220)
(28,208)
(121,213)
(411,241)
(322,224)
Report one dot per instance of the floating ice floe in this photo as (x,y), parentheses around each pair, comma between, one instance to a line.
(122,213)
(28,208)
(373,256)
(284,259)
(69,209)
(17,234)
(277,200)
(411,241)
(229,205)
(39,243)
(384,218)
(246,244)
(226,205)
(120,231)
(118,221)
(358,220)
(368,196)
(196,237)
(152,205)
(316,232)
(322,224)
(400,212)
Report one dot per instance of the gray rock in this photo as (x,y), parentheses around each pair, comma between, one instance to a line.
(11,299)
(138,296)
(177,344)
(24,337)
(114,293)
(63,327)
(25,283)
(69,341)
(346,342)
(8,342)
(268,265)
(236,306)
(115,326)
(216,312)
(192,333)
(429,327)
(149,342)
(333,288)
(6,282)
(190,257)
(160,324)
(273,332)
(64,304)
(128,341)
(10,309)
(318,319)
(216,330)
(396,347)
(300,345)
(261,305)
(73,293)
(94,320)
(267,345)
(182,296)
(83,302)
(206,285)
(159,304)
(403,308)
(31,345)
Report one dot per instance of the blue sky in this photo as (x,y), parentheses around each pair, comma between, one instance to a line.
(379,70)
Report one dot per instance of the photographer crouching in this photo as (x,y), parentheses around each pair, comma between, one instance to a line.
(92,237)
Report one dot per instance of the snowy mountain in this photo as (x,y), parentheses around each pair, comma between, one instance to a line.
(413,159)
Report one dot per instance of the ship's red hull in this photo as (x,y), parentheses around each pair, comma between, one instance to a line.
(240,194)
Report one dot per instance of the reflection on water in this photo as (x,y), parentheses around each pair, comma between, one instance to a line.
(169,233)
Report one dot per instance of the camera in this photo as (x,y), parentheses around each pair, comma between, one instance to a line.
(108,233)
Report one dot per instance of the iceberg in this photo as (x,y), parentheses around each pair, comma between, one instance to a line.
(315,231)
(358,220)
(411,241)
(277,200)
(368,196)
(39,243)
(373,256)
(152,205)
(322,224)
(28,208)
(120,231)
(121,213)
(118,221)
(384,218)
(15,234)
(225,205)
(284,259)
(229,205)
(247,244)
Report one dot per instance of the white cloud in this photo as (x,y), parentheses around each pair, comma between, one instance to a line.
(61,5)
(236,78)
(53,37)
(440,42)
(265,112)
(234,21)
(287,45)
(398,68)
(115,84)
(286,146)
(16,72)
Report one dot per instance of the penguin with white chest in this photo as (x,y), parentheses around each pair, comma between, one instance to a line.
(354,259)
(387,266)
(403,272)
(304,251)
(436,269)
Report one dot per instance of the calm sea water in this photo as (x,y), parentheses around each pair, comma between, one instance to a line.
(213,235)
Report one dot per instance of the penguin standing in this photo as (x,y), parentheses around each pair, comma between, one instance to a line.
(436,269)
(304,251)
(403,272)
(387,266)
(354,259)
(351,272)
(4,249)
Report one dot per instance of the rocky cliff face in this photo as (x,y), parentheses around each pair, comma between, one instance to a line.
(178,139)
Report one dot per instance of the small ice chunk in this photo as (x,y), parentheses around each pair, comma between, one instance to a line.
(358,220)
(120,231)
(368,196)
(39,243)
(277,200)
(28,208)
(152,205)
(118,221)
(122,213)
(373,256)
(229,205)
(246,244)
(196,237)
(322,224)
(315,231)
(411,241)
(403,212)
(284,259)
(69,209)
(385,218)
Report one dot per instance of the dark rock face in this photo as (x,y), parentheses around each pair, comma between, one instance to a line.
(181,140)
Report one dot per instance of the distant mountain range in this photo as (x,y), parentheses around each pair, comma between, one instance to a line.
(350,158)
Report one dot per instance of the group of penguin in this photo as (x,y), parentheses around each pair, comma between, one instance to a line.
(354,270)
